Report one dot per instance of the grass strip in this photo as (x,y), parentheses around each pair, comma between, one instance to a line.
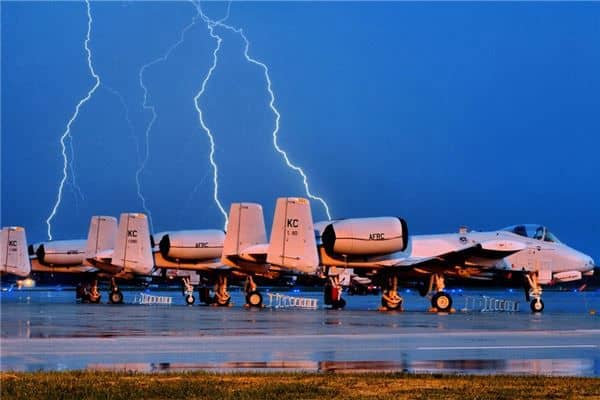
(282,386)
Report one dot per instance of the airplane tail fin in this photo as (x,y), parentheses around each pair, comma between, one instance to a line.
(133,250)
(101,236)
(14,258)
(293,243)
(245,228)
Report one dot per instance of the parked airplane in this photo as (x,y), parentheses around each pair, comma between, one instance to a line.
(110,251)
(70,256)
(381,247)
(244,250)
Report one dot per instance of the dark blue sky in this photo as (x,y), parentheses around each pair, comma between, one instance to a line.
(477,114)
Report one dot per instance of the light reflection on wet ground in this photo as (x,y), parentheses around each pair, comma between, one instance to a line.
(47,330)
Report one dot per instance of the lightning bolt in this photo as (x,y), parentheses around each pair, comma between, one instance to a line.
(211,26)
(147,106)
(67,133)
(220,23)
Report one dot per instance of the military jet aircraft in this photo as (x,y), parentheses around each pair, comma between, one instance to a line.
(244,250)
(381,247)
(110,251)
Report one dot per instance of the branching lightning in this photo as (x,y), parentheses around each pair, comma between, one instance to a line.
(220,23)
(67,133)
(147,106)
(211,26)
(68,159)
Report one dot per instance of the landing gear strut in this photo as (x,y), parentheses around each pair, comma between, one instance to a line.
(222,296)
(333,293)
(441,300)
(390,299)
(115,296)
(188,291)
(253,296)
(88,293)
(534,292)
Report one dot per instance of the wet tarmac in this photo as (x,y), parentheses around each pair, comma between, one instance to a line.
(47,330)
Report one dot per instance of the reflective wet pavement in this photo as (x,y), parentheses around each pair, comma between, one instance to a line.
(47,330)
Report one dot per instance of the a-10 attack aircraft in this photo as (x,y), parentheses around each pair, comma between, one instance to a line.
(244,250)
(110,251)
(380,248)
(126,251)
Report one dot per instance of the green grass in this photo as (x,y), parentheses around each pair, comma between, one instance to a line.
(281,386)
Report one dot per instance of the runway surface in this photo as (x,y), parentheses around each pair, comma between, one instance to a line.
(45,329)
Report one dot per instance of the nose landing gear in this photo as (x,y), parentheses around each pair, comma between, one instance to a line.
(222,297)
(390,299)
(534,291)
(333,293)
(188,291)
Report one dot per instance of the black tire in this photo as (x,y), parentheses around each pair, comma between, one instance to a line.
(537,306)
(94,300)
(442,301)
(115,297)
(327,295)
(79,292)
(338,304)
(204,295)
(222,304)
(190,299)
(254,299)
(423,290)
(391,306)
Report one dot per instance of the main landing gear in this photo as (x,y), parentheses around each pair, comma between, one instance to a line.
(221,297)
(441,301)
(115,296)
(333,293)
(533,291)
(88,293)
(390,299)
(253,296)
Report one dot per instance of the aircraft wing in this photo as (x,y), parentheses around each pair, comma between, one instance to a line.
(491,251)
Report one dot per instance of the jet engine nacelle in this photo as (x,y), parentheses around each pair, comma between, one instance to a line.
(366,236)
(567,276)
(192,245)
(61,252)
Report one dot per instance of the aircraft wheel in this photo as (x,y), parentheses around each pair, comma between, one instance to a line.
(254,299)
(338,304)
(79,292)
(391,305)
(537,305)
(94,299)
(221,302)
(442,301)
(116,297)
(422,289)
(190,299)
(327,295)
(204,293)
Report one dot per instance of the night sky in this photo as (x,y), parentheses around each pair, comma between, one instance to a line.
(447,114)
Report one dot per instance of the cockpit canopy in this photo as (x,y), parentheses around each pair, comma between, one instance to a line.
(538,232)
